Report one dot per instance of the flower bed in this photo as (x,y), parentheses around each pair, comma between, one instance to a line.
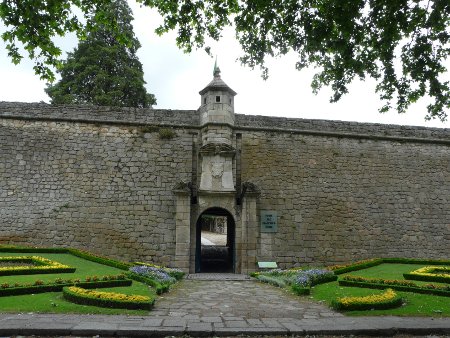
(387,300)
(300,281)
(364,264)
(440,274)
(107,299)
(360,265)
(91,282)
(36,265)
(399,285)
(157,277)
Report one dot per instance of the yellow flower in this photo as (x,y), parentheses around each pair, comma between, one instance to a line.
(108,295)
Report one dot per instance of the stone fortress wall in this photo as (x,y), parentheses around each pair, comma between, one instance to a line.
(102,179)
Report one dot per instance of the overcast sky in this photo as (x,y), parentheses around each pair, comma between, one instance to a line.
(176,78)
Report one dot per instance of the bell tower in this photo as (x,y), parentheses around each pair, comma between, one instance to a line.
(217,121)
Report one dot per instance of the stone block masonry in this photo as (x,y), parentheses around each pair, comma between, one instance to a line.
(341,199)
(104,188)
(102,179)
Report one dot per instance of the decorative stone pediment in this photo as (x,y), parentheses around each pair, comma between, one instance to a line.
(182,187)
(217,149)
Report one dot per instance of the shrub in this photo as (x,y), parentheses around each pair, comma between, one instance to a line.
(440,274)
(360,265)
(166,133)
(107,299)
(39,286)
(37,265)
(276,281)
(154,273)
(300,291)
(400,285)
(387,300)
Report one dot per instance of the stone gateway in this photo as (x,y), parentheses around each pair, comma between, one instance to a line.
(139,184)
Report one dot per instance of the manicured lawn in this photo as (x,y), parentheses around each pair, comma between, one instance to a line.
(53,302)
(415,304)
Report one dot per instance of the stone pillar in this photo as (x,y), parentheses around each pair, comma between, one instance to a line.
(249,233)
(183,229)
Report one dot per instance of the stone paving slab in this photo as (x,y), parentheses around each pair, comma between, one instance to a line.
(222,308)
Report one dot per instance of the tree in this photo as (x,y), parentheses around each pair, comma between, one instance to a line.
(402,44)
(101,70)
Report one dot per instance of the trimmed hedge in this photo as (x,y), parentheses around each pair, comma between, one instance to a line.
(98,259)
(41,266)
(85,299)
(416,289)
(340,269)
(160,288)
(78,253)
(58,287)
(429,274)
(299,290)
(387,300)
(19,249)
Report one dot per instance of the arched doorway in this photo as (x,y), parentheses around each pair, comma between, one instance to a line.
(215,241)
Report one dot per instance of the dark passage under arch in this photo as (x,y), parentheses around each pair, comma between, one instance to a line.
(215,241)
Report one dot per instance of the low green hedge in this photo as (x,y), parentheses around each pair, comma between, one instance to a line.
(437,279)
(440,274)
(417,261)
(37,265)
(340,269)
(299,290)
(372,283)
(113,302)
(20,249)
(387,300)
(75,252)
(98,259)
(159,288)
(57,287)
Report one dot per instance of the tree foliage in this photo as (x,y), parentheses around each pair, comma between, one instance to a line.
(101,70)
(402,44)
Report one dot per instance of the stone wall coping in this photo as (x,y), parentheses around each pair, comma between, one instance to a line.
(190,119)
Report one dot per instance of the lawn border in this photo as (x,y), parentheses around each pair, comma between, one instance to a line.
(361,265)
(80,299)
(395,287)
(57,287)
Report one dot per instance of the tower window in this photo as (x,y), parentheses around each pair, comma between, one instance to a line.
(217,98)
(204,100)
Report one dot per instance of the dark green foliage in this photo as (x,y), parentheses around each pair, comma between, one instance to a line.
(358,266)
(417,261)
(399,287)
(438,279)
(85,300)
(388,304)
(17,249)
(377,261)
(160,288)
(300,291)
(57,287)
(97,259)
(101,70)
(402,44)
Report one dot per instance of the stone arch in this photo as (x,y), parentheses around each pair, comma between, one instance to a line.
(220,256)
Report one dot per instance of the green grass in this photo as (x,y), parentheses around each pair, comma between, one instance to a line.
(53,302)
(415,304)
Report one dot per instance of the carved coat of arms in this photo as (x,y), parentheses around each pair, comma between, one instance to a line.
(216,169)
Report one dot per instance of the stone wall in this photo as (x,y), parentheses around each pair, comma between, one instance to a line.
(101,179)
(102,187)
(341,199)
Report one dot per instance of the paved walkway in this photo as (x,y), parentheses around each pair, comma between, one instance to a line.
(206,307)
